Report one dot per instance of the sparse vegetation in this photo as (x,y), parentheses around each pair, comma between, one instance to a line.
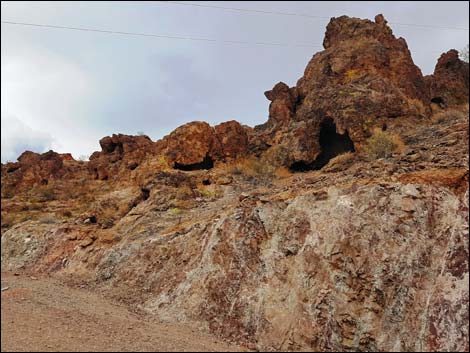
(447,115)
(175,211)
(340,162)
(383,144)
(253,167)
(47,220)
(44,193)
(464,54)
(164,163)
(276,156)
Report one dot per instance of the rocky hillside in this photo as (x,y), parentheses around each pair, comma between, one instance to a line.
(339,224)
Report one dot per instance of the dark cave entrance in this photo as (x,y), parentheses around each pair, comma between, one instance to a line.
(331,144)
(439,101)
(207,163)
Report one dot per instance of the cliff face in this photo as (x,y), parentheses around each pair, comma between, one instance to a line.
(355,254)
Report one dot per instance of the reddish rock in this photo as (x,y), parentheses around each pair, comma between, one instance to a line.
(197,145)
(190,144)
(363,77)
(119,153)
(449,83)
(282,107)
(232,139)
(66,157)
(32,169)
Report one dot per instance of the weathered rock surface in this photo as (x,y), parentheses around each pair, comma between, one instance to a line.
(449,83)
(32,169)
(197,145)
(365,76)
(361,255)
(119,152)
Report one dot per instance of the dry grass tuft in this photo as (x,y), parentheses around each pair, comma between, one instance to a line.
(340,162)
(447,115)
(383,144)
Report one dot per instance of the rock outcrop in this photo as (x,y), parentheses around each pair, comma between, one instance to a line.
(197,145)
(32,169)
(449,83)
(358,255)
(119,152)
(365,76)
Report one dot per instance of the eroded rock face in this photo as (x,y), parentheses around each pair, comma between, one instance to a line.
(283,104)
(449,83)
(364,76)
(197,145)
(190,144)
(232,139)
(32,169)
(119,153)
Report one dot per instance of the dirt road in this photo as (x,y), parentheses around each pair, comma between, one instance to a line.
(44,315)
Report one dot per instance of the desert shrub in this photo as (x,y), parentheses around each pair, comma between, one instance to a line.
(107,217)
(66,214)
(276,156)
(47,220)
(175,211)
(164,163)
(282,172)
(184,192)
(253,167)
(340,162)
(448,115)
(383,144)
(464,54)
(44,193)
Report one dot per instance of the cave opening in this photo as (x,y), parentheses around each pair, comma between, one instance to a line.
(207,163)
(145,193)
(439,101)
(332,144)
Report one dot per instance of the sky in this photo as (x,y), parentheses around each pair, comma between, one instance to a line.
(64,90)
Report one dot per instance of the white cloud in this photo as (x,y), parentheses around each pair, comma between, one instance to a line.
(18,137)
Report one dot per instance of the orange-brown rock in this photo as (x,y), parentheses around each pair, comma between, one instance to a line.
(232,139)
(448,84)
(32,169)
(66,156)
(119,152)
(363,77)
(197,145)
(190,144)
(283,102)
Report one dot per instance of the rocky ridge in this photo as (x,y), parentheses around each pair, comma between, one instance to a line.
(355,254)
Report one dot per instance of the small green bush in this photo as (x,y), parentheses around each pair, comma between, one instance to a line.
(382,144)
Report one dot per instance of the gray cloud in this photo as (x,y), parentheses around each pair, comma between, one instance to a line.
(79,87)
(17,137)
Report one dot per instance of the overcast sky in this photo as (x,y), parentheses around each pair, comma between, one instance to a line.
(64,89)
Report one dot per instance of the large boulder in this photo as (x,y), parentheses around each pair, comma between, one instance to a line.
(232,139)
(119,153)
(197,145)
